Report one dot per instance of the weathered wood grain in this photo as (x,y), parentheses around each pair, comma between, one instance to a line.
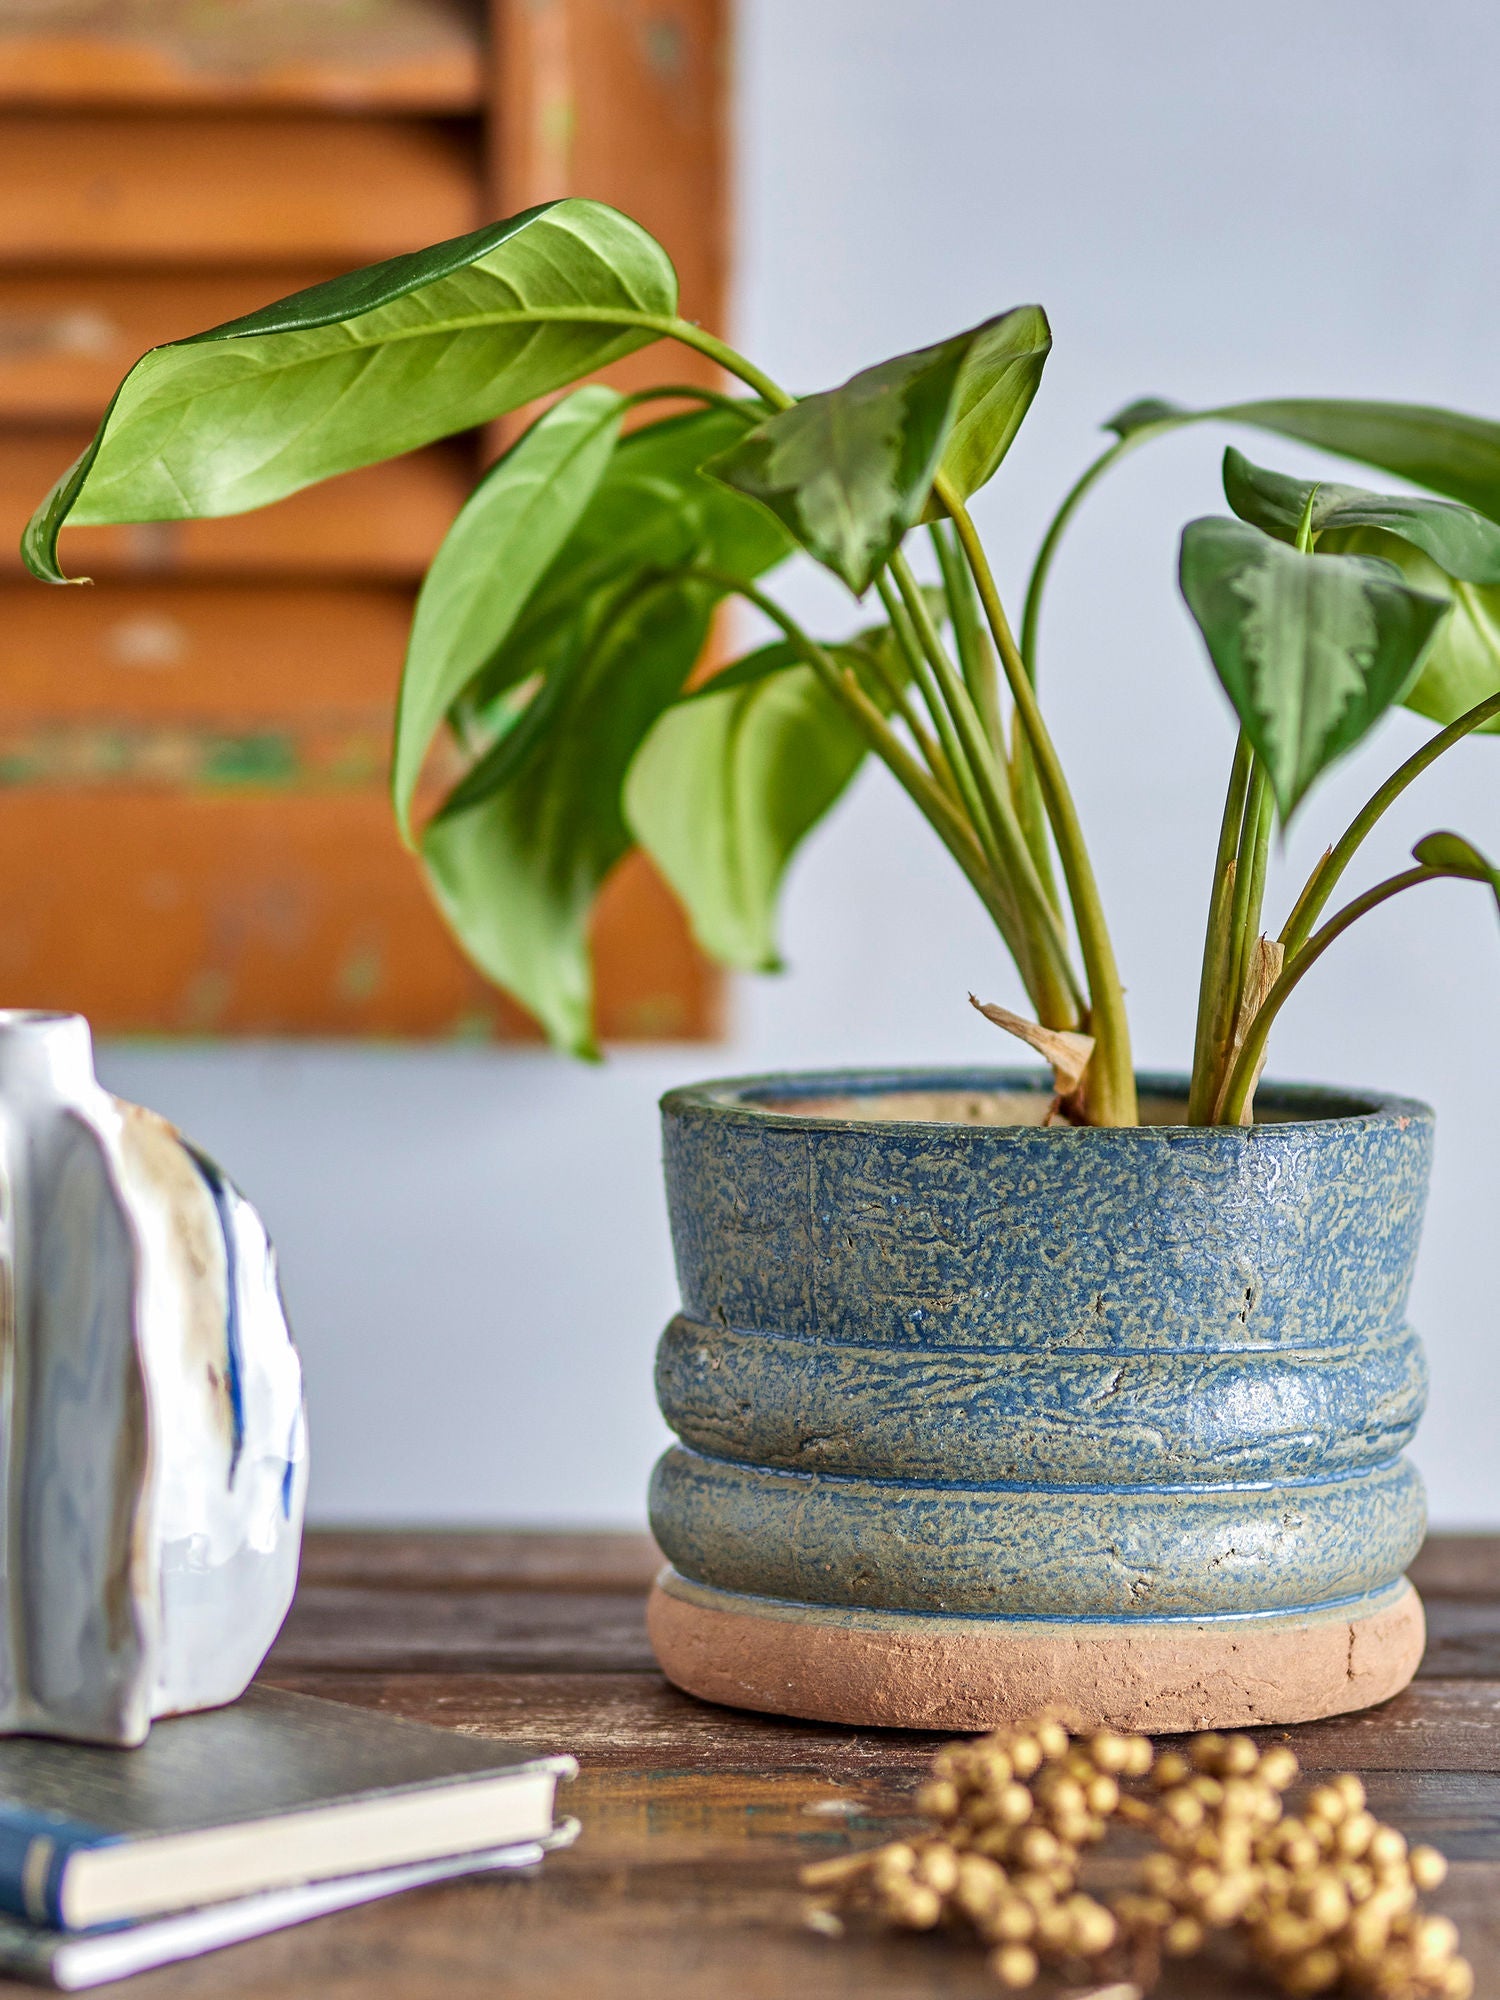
(468,1559)
(418,55)
(230,189)
(1458,1566)
(1463,1638)
(430,1631)
(634,1721)
(625,1721)
(696,1818)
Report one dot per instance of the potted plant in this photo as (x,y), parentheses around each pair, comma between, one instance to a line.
(990,1391)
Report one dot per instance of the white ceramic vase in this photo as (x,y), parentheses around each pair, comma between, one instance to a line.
(152,1432)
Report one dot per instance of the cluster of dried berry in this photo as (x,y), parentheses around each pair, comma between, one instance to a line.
(1326,1902)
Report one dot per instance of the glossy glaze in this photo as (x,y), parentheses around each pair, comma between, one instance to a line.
(152,1418)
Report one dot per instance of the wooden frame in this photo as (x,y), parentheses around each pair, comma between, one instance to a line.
(192,815)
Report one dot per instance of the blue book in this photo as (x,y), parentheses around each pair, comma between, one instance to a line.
(72,1960)
(277,1790)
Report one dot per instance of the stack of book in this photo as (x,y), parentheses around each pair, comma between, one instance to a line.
(245,1820)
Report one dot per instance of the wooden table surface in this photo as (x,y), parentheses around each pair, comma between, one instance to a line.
(696,1818)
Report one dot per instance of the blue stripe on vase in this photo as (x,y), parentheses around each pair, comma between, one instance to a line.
(223,1198)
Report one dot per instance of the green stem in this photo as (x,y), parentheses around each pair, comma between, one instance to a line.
(669,327)
(1324,878)
(931,801)
(1024,783)
(1249,886)
(901,703)
(1053,985)
(921,676)
(1247,1062)
(1072,499)
(968,794)
(1111,1079)
(975,655)
(1217,940)
(683,391)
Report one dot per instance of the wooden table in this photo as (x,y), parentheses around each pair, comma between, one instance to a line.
(696,1818)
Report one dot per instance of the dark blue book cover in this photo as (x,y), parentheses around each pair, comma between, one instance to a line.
(275,1790)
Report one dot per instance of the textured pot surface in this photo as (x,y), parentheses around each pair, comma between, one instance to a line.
(1025,1376)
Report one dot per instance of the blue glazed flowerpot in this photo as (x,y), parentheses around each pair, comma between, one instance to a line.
(979,1416)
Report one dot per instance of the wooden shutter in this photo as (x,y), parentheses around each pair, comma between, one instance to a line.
(194,834)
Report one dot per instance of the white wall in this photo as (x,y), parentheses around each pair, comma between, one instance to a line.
(1211,203)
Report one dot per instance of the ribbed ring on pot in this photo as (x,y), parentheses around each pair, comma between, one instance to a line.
(1034,1551)
(975,1415)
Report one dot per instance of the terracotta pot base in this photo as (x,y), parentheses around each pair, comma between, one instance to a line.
(906,1670)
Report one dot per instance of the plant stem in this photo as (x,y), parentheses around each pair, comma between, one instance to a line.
(932,802)
(1249,881)
(1053,986)
(1324,878)
(975,655)
(685,391)
(1242,1076)
(1040,570)
(1214,978)
(967,788)
(901,704)
(1231,1004)
(669,327)
(1110,1084)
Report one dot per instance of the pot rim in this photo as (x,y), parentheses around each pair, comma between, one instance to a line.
(735,1099)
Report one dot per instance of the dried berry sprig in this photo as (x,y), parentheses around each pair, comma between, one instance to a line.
(1325,1903)
(1014,1811)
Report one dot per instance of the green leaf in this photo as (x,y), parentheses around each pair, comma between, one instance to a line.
(505,538)
(652,514)
(848,471)
(1146,413)
(1462,665)
(999,378)
(364,367)
(1457,856)
(747,671)
(1442,450)
(653,509)
(1311,649)
(516,876)
(734,777)
(1462,543)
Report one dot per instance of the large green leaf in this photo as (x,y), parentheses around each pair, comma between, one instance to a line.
(654,508)
(505,538)
(733,778)
(1462,543)
(653,511)
(1311,649)
(848,471)
(364,367)
(516,876)
(999,378)
(1462,665)
(1443,450)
